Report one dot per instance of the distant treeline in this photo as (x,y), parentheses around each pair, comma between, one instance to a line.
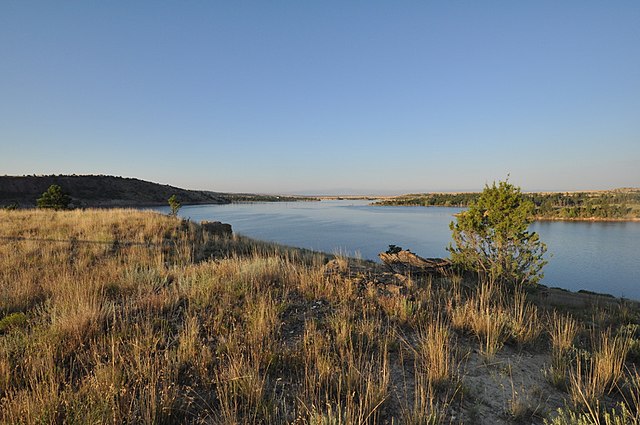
(609,205)
(615,204)
(431,200)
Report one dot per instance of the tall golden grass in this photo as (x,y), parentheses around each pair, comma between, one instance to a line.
(124,316)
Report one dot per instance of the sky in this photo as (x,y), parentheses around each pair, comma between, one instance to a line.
(362,97)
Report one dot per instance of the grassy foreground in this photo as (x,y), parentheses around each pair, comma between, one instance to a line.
(121,316)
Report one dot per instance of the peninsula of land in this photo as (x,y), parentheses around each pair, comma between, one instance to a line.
(111,191)
(607,205)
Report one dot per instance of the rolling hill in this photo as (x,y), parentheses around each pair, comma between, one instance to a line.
(112,191)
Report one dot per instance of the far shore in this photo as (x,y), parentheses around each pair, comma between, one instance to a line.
(590,219)
(578,219)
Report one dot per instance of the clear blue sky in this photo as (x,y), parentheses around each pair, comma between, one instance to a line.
(326,96)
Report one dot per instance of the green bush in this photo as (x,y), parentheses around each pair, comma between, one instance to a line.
(175,205)
(13,320)
(492,237)
(54,198)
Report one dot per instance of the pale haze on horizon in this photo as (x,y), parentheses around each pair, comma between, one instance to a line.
(324,97)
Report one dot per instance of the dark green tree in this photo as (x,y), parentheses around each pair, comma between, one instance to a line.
(492,237)
(54,198)
(175,205)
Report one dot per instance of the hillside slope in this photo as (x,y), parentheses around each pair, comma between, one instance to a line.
(109,191)
(135,317)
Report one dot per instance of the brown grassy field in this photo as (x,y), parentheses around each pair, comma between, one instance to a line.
(122,316)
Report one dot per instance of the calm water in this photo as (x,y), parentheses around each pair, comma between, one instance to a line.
(601,257)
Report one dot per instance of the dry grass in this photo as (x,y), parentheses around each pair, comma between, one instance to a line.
(436,352)
(485,316)
(562,333)
(122,316)
(626,412)
(562,330)
(600,372)
(524,324)
(123,322)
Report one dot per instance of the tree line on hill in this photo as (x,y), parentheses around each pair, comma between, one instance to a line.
(112,191)
(614,204)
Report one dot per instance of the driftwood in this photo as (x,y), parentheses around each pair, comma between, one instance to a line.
(406,262)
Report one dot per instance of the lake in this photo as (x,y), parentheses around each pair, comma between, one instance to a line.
(596,256)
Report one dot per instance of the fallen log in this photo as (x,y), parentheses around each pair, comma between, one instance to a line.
(406,262)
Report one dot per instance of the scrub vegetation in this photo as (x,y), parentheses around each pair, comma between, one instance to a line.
(54,198)
(492,237)
(124,316)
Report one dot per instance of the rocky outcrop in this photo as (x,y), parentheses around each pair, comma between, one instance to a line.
(216,228)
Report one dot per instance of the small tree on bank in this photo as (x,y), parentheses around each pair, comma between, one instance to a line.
(492,237)
(54,198)
(11,207)
(175,205)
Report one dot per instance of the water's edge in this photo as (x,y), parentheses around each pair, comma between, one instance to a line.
(597,256)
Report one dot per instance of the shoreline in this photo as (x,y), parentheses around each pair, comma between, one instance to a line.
(537,218)
(591,219)
(555,295)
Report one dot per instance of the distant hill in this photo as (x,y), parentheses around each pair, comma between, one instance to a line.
(111,191)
